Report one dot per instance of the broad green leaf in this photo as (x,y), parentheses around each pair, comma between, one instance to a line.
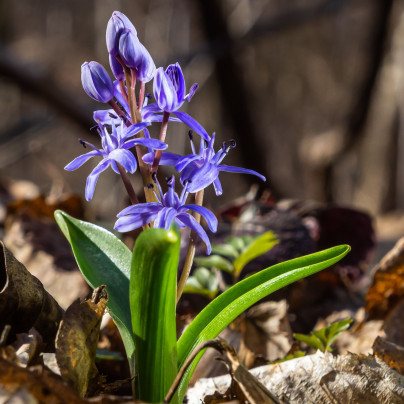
(103,260)
(215,261)
(226,307)
(153,284)
(227,250)
(257,247)
(203,282)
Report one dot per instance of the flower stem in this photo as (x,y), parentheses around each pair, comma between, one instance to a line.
(123,91)
(130,77)
(129,189)
(118,110)
(162,138)
(189,258)
(128,186)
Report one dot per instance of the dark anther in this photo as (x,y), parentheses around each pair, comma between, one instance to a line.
(150,186)
(148,95)
(111,115)
(232,143)
(224,146)
(169,181)
(206,142)
(190,135)
(83,143)
(154,176)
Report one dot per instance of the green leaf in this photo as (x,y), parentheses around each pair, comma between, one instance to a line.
(257,247)
(323,338)
(227,250)
(237,243)
(297,354)
(203,282)
(226,307)
(310,340)
(103,260)
(215,261)
(153,285)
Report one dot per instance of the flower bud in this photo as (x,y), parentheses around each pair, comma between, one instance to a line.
(147,69)
(96,82)
(169,88)
(116,68)
(116,24)
(130,49)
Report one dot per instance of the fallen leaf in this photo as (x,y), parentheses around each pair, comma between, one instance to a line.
(28,346)
(391,353)
(393,325)
(387,288)
(77,338)
(24,303)
(320,378)
(266,333)
(39,385)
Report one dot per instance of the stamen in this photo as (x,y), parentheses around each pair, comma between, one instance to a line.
(169,181)
(83,143)
(113,116)
(184,193)
(150,186)
(154,177)
(148,95)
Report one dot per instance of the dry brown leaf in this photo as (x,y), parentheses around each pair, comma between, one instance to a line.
(41,247)
(391,353)
(393,324)
(77,338)
(38,385)
(28,347)
(266,333)
(35,385)
(388,283)
(320,378)
(24,303)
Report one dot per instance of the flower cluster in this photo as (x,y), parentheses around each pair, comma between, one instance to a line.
(126,142)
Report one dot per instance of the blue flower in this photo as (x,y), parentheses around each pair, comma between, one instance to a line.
(170,93)
(169,208)
(115,149)
(96,82)
(116,25)
(200,170)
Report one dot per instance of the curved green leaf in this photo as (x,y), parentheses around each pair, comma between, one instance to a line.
(103,260)
(225,308)
(258,246)
(153,284)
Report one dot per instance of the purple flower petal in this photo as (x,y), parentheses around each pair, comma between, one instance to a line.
(218,186)
(210,218)
(133,129)
(164,218)
(200,177)
(80,160)
(167,158)
(150,207)
(231,169)
(184,161)
(190,222)
(128,223)
(125,158)
(93,177)
(150,143)
(194,125)
(192,91)
(164,91)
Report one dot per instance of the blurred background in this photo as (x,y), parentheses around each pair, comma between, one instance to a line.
(312,92)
